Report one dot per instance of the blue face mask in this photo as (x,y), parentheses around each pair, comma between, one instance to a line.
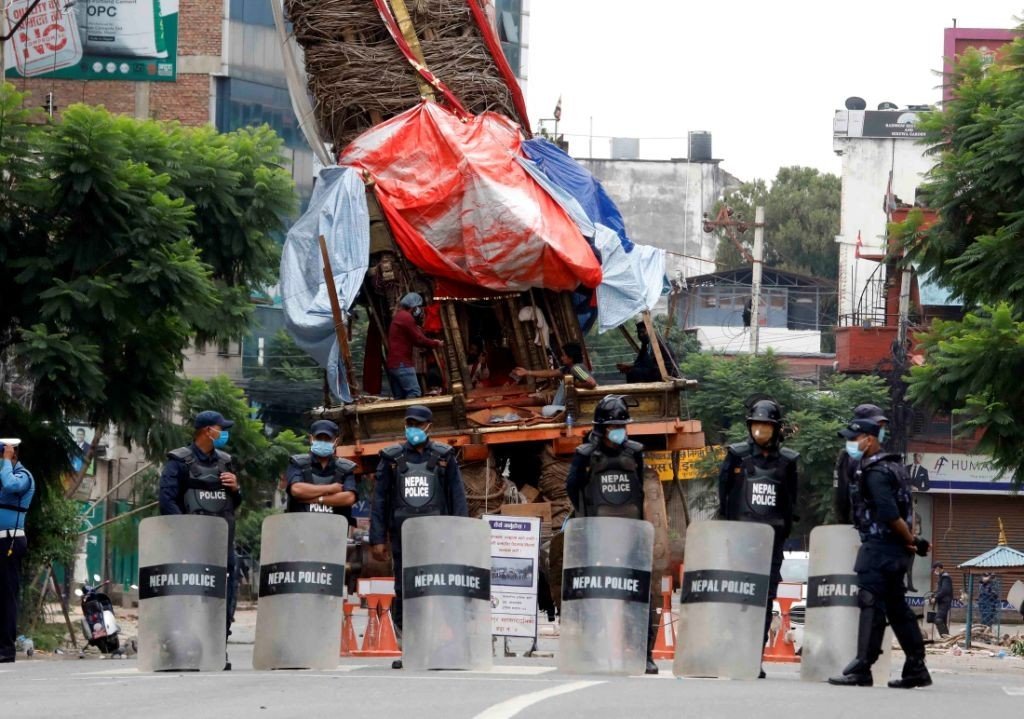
(222,439)
(882,434)
(415,436)
(321,448)
(853,449)
(617,436)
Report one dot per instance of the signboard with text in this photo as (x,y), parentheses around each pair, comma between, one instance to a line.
(515,548)
(133,40)
(951,473)
(689,461)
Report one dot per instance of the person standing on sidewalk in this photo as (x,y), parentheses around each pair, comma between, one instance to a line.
(943,599)
(16,489)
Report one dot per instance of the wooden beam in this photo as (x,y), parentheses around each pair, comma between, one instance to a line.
(655,345)
(340,328)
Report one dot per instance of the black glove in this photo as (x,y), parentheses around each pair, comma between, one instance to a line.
(921,546)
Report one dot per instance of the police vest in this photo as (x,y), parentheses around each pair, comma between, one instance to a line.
(863,506)
(419,489)
(204,493)
(314,473)
(615,487)
(761,495)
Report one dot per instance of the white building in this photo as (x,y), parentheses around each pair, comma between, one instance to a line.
(874,145)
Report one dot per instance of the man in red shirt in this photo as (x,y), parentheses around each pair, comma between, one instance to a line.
(403,335)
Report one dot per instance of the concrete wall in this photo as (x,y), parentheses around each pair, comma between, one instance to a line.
(737,340)
(210,362)
(663,202)
(865,177)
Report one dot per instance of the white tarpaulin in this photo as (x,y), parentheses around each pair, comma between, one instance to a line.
(631,282)
(337,211)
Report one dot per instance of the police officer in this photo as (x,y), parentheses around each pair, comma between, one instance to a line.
(318,481)
(843,471)
(417,478)
(200,479)
(943,599)
(16,489)
(758,483)
(605,479)
(882,509)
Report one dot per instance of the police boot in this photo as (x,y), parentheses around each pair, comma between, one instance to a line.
(915,674)
(856,674)
(652,636)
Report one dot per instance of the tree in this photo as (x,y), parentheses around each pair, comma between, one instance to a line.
(801,222)
(973,367)
(124,242)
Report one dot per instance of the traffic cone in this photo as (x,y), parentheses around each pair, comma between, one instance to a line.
(665,642)
(387,641)
(781,648)
(349,641)
(372,627)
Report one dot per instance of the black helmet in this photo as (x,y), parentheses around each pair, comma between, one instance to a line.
(765,410)
(611,410)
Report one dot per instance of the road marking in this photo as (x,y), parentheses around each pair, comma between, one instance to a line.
(514,669)
(350,667)
(1014,691)
(111,672)
(510,707)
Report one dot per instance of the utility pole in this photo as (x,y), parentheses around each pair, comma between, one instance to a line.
(755,288)
(3,42)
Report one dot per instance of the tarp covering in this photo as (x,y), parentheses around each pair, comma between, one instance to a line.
(337,211)
(575,179)
(462,208)
(631,282)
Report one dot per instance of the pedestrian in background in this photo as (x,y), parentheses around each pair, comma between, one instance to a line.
(943,599)
(16,489)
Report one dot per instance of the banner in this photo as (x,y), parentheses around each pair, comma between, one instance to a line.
(134,40)
(515,546)
(689,462)
(951,473)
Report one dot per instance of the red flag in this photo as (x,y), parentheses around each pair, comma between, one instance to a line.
(558,109)
(856,249)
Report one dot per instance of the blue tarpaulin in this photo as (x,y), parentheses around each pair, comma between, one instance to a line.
(575,179)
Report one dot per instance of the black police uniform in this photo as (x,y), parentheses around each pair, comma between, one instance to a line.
(607,481)
(190,484)
(306,468)
(422,481)
(756,484)
(879,494)
(943,602)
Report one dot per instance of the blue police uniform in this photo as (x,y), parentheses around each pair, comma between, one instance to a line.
(16,489)
(447,497)
(306,468)
(180,493)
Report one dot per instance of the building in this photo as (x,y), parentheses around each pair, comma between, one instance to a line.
(794,309)
(663,203)
(512,20)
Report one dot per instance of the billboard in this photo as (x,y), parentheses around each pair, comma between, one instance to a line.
(953,473)
(134,40)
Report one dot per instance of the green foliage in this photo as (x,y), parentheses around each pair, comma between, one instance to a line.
(801,222)
(974,367)
(125,241)
(249,530)
(812,418)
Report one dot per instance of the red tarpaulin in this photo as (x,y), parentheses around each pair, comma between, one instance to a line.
(462,208)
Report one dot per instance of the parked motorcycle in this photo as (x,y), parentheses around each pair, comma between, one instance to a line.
(99,626)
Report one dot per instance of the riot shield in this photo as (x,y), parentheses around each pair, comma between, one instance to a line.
(182,593)
(724,599)
(606,593)
(832,616)
(302,582)
(1016,596)
(446,593)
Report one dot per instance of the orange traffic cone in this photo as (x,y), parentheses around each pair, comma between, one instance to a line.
(387,642)
(780,647)
(349,642)
(379,639)
(372,627)
(665,642)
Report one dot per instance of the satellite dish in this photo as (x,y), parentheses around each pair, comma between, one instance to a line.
(856,103)
(888,106)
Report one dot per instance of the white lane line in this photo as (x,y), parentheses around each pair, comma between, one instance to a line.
(514,670)
(110,672)
(510,707)
(1014,691)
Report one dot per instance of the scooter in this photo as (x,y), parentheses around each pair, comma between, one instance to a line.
(99,627)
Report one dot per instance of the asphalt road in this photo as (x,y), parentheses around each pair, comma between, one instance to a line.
(520,687)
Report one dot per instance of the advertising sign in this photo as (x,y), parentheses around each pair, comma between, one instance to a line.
(689,459)
(93,40)
(515,546)
(891,123)
(962,474)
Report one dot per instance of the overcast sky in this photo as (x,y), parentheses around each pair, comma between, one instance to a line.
(763,77)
